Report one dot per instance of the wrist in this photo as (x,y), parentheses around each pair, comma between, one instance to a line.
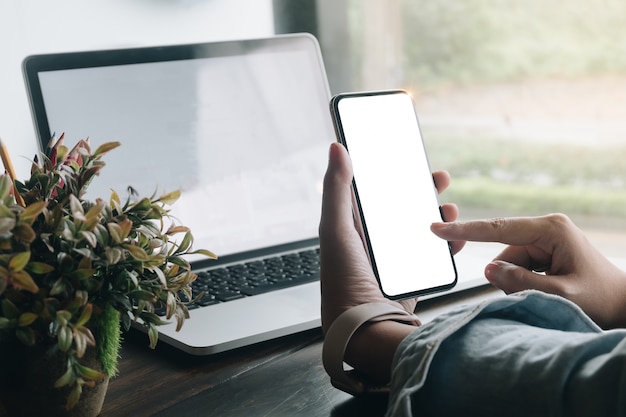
(372,348)
(372,333)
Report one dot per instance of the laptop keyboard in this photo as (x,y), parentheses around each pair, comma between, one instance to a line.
(252,278)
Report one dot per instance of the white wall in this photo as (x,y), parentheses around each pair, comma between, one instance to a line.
(41,26)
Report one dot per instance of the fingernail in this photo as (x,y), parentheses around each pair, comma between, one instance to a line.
(495,269)
(333,150)
(491,271)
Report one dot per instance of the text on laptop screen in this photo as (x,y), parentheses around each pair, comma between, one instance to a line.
(244,137)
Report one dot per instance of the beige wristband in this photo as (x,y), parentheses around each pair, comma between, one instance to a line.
(339,334)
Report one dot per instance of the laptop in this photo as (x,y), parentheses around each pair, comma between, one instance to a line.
(242,129)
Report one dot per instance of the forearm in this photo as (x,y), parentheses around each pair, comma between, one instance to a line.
(372,348)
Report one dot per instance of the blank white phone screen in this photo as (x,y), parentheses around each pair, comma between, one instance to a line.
(396,193)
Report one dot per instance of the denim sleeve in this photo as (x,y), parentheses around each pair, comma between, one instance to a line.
(530,354)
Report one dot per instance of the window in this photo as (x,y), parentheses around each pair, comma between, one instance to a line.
(524,102)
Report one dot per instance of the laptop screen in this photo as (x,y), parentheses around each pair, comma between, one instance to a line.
(240,127)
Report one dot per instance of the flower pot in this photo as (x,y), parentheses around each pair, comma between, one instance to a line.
(27,377)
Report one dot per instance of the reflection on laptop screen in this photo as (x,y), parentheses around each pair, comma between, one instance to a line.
(242,135)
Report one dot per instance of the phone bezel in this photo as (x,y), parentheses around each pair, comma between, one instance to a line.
(362,224)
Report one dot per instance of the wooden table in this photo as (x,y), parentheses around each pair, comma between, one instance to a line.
(282,377)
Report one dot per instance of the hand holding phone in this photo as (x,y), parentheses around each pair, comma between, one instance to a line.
(394,193)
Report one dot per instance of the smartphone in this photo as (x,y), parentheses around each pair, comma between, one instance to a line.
(394,193)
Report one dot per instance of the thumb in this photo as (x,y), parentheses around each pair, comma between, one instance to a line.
(337,196)
(512,278)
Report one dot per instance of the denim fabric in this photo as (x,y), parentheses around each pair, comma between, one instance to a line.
(529,354)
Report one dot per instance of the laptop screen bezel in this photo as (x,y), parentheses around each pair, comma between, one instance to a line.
(33,65)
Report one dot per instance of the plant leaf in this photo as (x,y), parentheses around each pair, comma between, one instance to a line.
(64,338)
(6,212)
(9,309)
(6,225)
(39,268)
(90,237)
(82,273)
(21,279)
(80,341)
(126,226)
(76,207)
(204,252)
(106,147)
(101,234)
(32,211)
(85,315)
(67,378)
(115,231)
(58,287)
(186,243)
(126,321)
(170,198)
(74,396)
(19,261)
(143,295)
(151,318)
(113,255)
(114,200)
(85,263)
(181,314)
(24,233)
(177,229)
(6,186)
(136,252)
(64,316)
(153,335)
(5,323)
(89,373)
(26,319)
(95,210)
(176,260)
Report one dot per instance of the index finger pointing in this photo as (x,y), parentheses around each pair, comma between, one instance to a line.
(511,231)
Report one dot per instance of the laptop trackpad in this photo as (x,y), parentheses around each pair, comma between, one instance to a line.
(248,320)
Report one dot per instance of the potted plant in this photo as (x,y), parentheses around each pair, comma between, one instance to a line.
(74,272)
